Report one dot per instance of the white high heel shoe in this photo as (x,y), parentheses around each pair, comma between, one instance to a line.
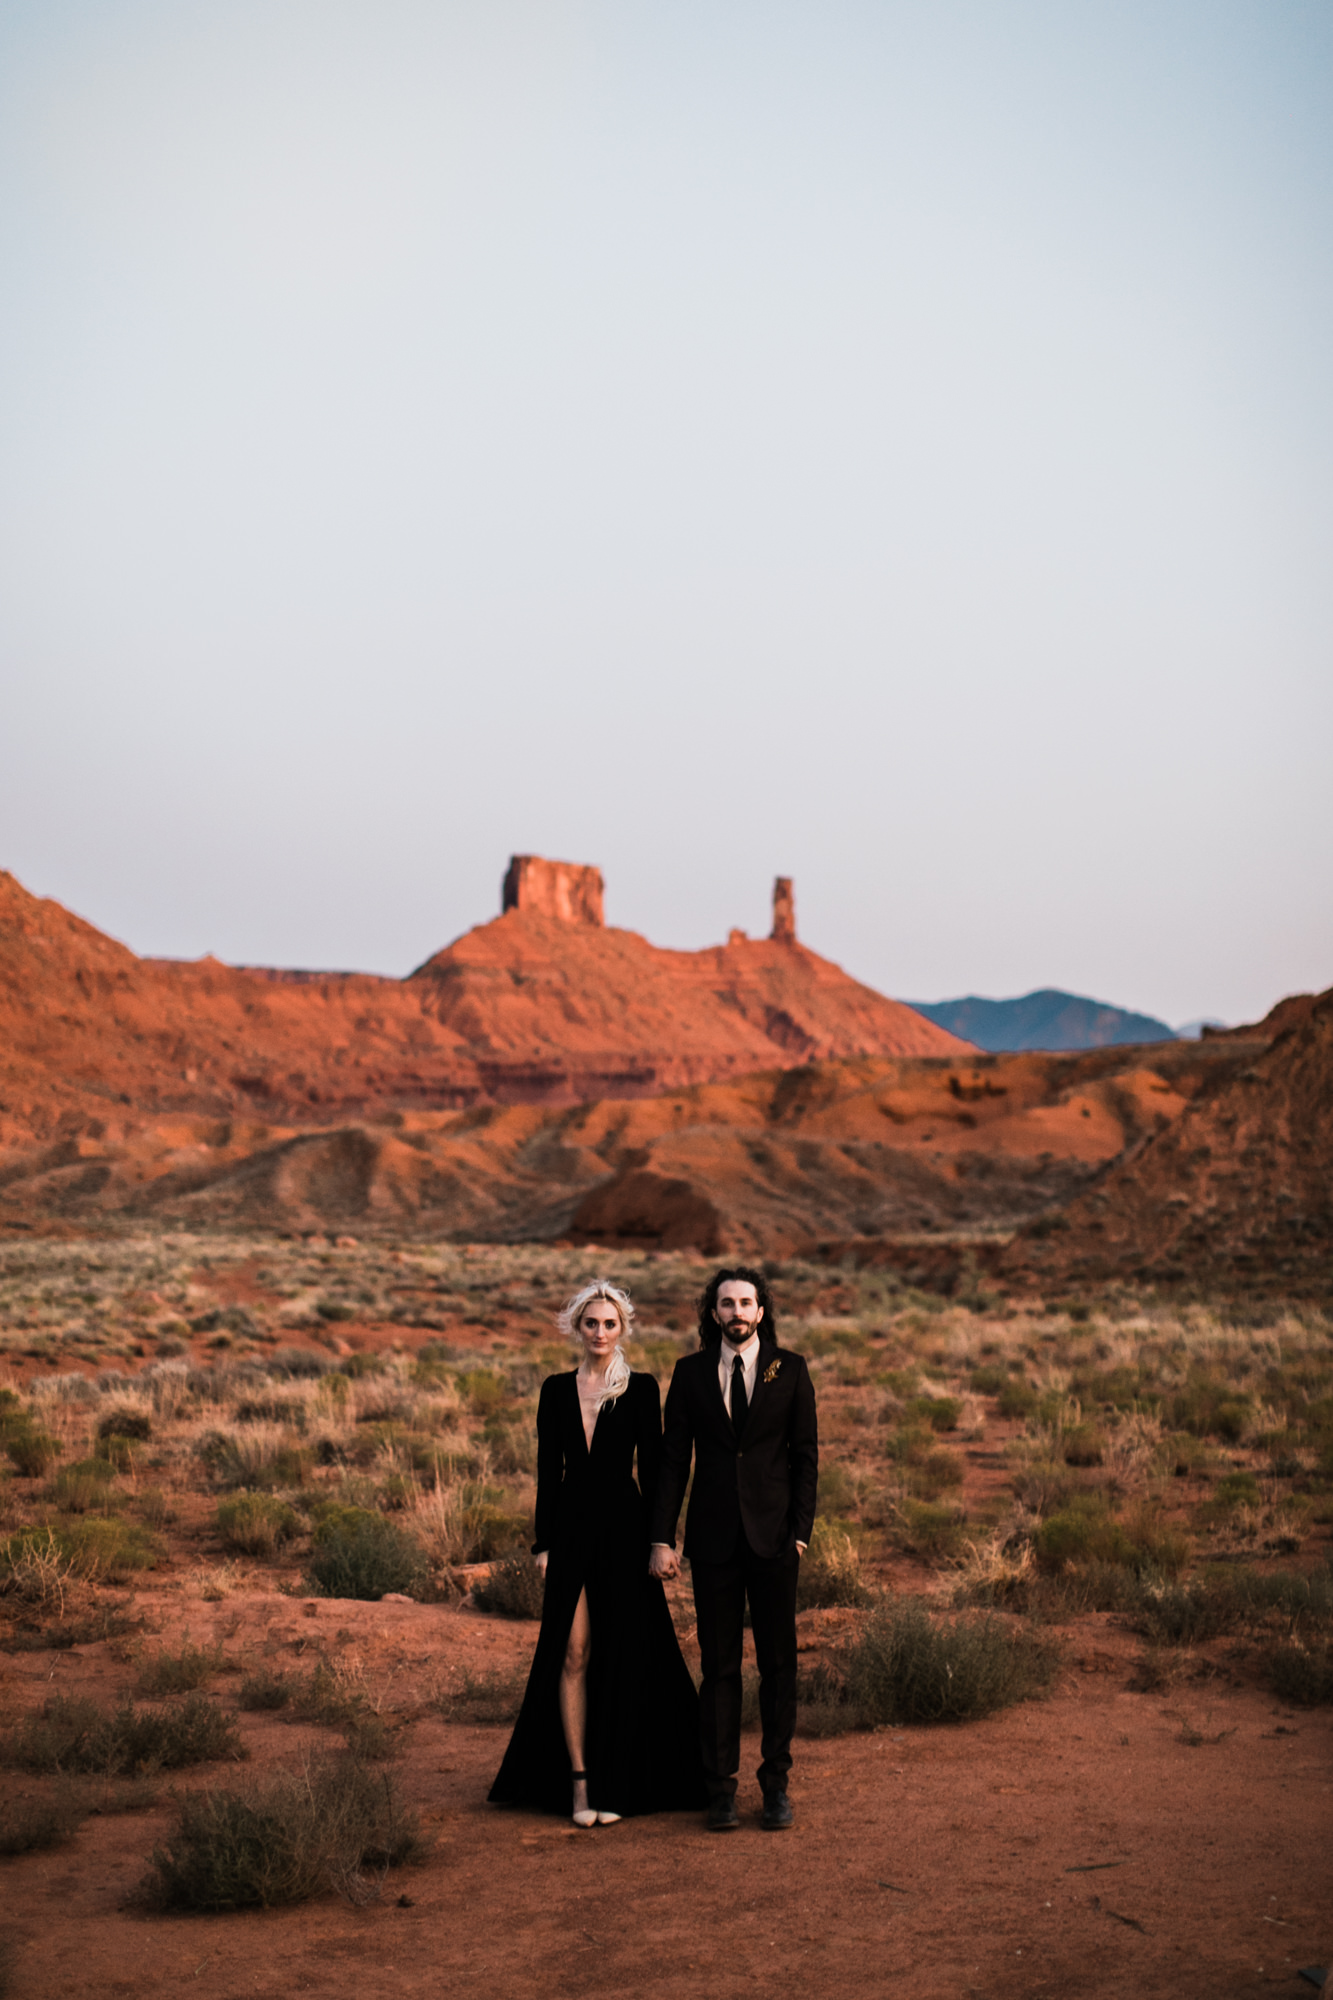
(587,1817)
(608,1819)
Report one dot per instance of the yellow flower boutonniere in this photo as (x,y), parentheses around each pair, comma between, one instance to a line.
(771,1370)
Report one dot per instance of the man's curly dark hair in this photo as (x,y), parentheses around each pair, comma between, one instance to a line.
(710,1333)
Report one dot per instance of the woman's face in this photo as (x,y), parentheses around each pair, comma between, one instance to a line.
(599,1328)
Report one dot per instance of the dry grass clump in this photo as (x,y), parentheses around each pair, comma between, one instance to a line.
(255,1524)
(906,1667)
(1302,1674)
(283,1840)
(37,1564)
(30,1824)
(31,1450)
(1084,1530)
(179,1672)
(515,1588)
(830,1571)
(465,1523)
(494,1696)
(83,1486)
(72,1734)
(1225,1600)
(264,1690)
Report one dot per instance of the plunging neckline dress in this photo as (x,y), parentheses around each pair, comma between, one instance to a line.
(642,1738)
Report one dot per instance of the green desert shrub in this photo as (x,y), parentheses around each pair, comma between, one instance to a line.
(253,1460)
(488,1393)
(1302,1674)
(179,1672)
(906,1667)
(1085,1531)
(989,1378)
(940,1413)
(357,1553)
(116,1453)
(73,1734)
(283,1840)
(101,1549)
(255,1524)
(830,1572)
(265,1690)
(30,1824)
(514,1588)
(1233,1598)
(1084,1445)
(31,1451)
(1017,1398)
(134,1424)
(86,1484)
(931,1531)
(1210,1408)
(936,1472)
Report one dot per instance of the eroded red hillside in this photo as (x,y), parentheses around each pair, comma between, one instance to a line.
(1240,1187)
(529,1008)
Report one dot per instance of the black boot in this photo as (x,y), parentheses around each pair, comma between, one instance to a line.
(777,1809)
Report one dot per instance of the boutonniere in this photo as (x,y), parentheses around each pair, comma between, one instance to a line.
(771,1370)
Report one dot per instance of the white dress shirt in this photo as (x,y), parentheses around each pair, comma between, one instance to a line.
(726,1361)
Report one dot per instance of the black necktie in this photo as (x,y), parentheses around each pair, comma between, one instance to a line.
(740,1402)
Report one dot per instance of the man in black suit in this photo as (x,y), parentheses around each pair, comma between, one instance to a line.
(745,1409)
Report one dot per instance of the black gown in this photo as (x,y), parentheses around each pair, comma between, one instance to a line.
(642,1742)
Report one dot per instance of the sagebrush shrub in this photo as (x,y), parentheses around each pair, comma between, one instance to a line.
(906,1667)
(284,1839)
(31,1452)
(265,1689)
(178,1673)
(1302,1674)
(355,1553)
(27,1825)
(255,1524)
(830,1571)
(514,1588)
(136,1424)
(74,1734)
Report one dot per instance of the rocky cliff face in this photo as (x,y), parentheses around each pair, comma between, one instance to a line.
(1239,1187)
(532,1007)
(564,890)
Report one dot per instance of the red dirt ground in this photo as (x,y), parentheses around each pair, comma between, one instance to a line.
(1075,1846)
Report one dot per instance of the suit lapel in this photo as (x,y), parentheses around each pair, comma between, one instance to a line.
(712,1358)
(767,1355)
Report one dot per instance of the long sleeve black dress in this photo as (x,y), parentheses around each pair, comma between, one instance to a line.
(642,1743)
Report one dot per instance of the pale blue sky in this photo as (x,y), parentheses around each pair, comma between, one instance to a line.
(890,445)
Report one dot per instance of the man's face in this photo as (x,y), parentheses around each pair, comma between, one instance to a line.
(738,1311)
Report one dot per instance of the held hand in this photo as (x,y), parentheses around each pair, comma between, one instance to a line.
(542,1561)
(663,1563)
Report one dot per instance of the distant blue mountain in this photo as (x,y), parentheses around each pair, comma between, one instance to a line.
(1044,1020)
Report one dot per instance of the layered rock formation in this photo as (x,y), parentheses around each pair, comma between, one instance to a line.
(544,1004)
(1238,1189)
(870,1148)
(565,890)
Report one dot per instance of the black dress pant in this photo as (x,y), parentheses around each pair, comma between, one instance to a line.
(720,1591)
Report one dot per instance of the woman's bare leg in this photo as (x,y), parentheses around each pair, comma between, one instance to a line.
(574,1695)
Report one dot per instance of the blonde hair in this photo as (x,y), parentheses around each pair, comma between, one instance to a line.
(617,1374)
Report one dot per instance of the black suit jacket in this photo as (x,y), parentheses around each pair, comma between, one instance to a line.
(763,1481)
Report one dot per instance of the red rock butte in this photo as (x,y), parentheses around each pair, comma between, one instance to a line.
(544,1004)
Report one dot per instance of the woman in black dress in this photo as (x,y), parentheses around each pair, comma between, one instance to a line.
(610,1721)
